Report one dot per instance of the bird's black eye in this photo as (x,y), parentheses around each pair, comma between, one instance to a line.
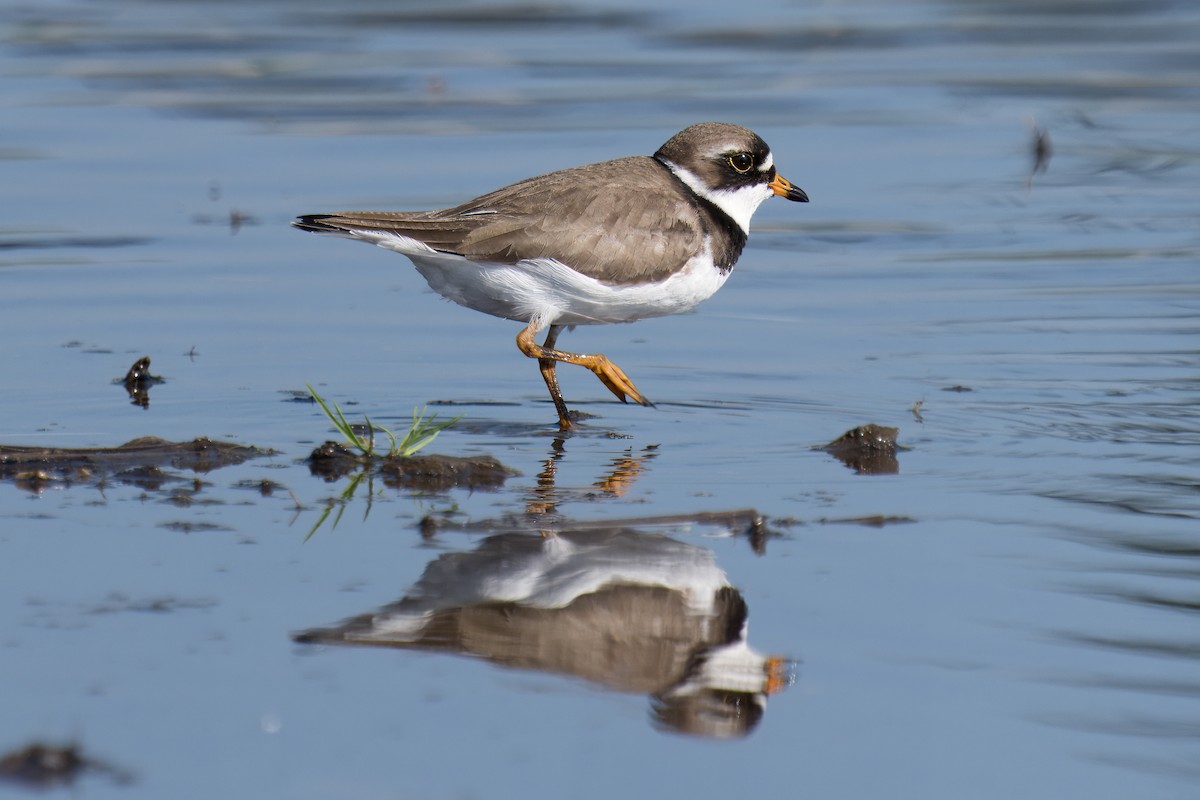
(742,162)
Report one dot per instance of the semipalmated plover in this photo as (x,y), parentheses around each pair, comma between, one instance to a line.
(617,241)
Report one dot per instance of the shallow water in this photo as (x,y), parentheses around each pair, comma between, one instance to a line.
(1023,626)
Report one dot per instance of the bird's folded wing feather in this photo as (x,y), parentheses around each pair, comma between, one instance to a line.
(622,215)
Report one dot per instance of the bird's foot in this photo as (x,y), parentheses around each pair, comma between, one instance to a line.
(615,379)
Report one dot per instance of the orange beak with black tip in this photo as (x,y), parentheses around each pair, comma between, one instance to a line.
(784,188)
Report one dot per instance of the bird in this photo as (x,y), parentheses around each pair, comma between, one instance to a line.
(615,241)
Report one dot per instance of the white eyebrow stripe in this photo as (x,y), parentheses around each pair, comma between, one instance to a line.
(767,163)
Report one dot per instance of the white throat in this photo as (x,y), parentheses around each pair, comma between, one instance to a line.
(739,204)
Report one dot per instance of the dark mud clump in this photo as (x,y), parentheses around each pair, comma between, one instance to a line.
(35,468)
(430,473)
(437,473)
(138,380)
(868,449)
(43,766)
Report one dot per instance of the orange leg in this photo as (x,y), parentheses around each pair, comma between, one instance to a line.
(779,675)
(609,373)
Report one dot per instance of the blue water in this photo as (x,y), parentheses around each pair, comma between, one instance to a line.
(1029,631)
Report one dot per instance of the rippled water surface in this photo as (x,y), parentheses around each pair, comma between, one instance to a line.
(1007,610)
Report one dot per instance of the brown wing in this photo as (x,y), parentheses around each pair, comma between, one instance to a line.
(590,218)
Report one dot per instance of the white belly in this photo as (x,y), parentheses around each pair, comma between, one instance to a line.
(547,290)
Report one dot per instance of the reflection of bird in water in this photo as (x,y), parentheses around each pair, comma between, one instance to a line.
(630,611)
(622,473)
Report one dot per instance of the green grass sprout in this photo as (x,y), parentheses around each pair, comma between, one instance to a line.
(424,429)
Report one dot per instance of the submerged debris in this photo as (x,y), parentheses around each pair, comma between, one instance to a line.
(870,521)
(868,449)
(117,603)
(234,220)
(264,486)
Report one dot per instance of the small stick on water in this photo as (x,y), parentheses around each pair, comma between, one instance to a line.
(1041,150)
